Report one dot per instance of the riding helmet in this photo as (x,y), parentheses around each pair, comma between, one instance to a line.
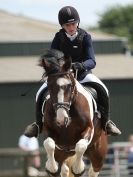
(68,14)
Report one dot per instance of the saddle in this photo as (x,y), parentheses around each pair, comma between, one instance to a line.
(96,106)
(92,89)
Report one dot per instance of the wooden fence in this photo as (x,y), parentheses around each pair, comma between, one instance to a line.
(14,162)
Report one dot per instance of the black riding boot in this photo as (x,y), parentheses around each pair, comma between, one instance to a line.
(34,129)
(108,126)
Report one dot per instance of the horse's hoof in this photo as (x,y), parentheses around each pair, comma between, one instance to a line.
(79,174)
(57,173)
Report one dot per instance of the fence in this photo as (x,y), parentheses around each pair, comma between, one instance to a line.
(13,162)
(116,163)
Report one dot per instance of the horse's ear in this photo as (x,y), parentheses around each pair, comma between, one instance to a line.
(68,63)
(61,62)
(43,63)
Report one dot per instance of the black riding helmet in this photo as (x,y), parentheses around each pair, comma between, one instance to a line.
(68,14)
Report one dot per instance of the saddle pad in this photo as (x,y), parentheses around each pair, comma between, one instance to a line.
(87,95)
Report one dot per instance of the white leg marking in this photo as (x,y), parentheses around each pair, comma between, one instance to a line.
(64,170)
(49,146)
(78,165)
(92,173)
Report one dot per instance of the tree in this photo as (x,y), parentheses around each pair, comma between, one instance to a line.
(118,20)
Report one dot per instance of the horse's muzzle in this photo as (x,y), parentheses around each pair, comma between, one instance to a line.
(62,118)
(65,123)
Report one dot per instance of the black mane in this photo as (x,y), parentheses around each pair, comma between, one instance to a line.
(50,61)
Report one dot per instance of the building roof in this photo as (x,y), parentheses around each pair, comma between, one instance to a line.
(25,69)
(19,28)
(16,28)
(114,66)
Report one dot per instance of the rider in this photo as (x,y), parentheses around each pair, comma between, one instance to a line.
(76,43)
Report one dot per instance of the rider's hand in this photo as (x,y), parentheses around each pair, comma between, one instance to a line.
(77,66)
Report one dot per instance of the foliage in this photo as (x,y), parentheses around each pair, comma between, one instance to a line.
(118,20)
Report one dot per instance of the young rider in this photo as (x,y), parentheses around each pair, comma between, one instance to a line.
(76,43)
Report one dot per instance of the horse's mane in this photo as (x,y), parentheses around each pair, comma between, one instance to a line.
(49,61)
(52,60)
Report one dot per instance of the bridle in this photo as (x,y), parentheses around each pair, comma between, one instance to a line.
(66,105)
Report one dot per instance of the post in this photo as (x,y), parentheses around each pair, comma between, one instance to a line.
(25,170)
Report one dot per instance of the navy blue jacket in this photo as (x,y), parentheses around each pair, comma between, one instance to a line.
(80,49)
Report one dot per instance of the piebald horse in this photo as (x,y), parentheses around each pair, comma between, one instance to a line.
(71,127)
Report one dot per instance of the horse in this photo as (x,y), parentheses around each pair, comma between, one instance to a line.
(71,127)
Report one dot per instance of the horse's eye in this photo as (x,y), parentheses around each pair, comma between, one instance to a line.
(64,87)
(69,85)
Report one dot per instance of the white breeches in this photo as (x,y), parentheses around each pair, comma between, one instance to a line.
(92,78)
(44,85)
(89,78)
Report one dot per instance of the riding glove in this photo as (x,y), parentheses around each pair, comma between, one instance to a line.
(77,66)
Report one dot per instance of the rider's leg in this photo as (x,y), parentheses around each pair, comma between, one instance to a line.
(103,99)
(108,125)
(35,128)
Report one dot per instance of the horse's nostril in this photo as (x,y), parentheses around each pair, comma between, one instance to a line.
(59,123)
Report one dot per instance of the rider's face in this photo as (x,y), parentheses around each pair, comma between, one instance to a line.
(70,28)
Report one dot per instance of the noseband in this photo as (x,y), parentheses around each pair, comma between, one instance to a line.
(65,105)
